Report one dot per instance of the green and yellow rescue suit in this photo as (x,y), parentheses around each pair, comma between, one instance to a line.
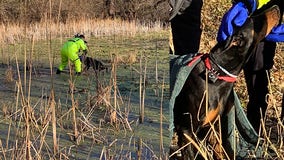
(70,51)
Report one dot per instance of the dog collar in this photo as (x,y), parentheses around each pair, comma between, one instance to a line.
(214,75)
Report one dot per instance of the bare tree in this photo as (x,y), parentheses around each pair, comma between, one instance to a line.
(109,8)
(142,10)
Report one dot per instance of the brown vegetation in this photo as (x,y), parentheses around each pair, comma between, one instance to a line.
(31,11)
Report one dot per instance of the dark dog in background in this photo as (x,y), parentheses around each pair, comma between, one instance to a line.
(96,64)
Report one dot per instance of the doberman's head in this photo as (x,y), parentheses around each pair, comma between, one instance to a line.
(236,50)
(233,53)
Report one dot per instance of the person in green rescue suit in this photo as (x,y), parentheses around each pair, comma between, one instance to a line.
(70,51)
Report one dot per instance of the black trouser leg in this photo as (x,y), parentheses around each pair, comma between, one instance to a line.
(257,91)
(256,69)
(186,29)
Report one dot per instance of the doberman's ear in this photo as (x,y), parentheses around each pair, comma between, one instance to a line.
(265,21)
(273,16)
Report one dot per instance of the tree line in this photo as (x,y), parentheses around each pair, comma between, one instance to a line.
(31,11)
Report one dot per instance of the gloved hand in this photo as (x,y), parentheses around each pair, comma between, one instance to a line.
(236,16)
(85,52)
(277,34)
(178,7)
(81,58)
(252,5)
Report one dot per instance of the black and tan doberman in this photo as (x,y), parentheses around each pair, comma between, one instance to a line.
(96,64)
(207,92)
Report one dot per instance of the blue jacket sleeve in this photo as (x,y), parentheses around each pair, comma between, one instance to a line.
(235,16)
(277,34)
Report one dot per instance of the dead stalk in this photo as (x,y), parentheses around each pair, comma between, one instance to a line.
(113,116)
(139,149)
(28,141)
(156,71)
(3,151)
(8,135)
(103,154)
(74,106)
(53,111)
(142,89)
(202,152)
(161,120)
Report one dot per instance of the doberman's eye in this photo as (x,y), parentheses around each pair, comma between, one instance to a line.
(238,41)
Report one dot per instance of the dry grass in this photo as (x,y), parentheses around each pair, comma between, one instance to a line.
(129,58)
(9,75)
(13,33)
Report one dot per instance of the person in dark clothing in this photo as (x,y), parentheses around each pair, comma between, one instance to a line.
(185,19)
(186,26)
(257,74)
(257,69)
